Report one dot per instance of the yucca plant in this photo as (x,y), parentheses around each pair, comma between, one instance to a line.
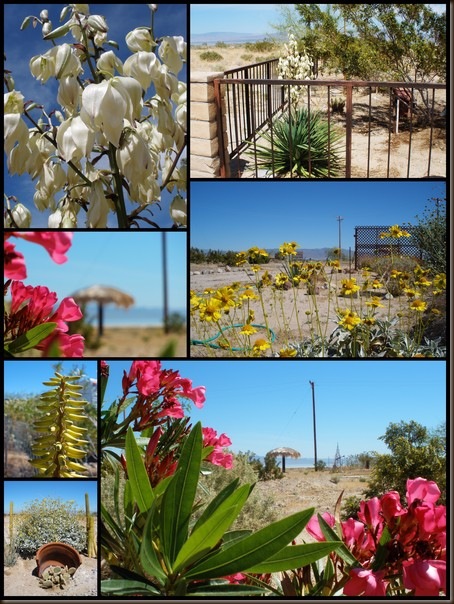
(59,445)
(300,144)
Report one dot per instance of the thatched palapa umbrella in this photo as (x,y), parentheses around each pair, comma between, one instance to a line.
(103,294)
(284,452)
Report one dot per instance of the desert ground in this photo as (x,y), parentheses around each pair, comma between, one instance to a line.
(21,580)
(136,342)
(381,139)
(204,277)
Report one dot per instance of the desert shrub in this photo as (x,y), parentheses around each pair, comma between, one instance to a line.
(270,469)
(300,144)
(414,453)
(430,233)
(221,45)
(334,479)
(48,520)
(350,507)
(320,465)
(247,57)
(337,105)
(258,510)
(210,55)
(176,322)
(10,553)
(260,46)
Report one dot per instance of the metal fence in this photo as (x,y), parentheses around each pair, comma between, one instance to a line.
(368,244)
(254,99)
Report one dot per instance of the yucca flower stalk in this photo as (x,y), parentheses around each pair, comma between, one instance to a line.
(59,444)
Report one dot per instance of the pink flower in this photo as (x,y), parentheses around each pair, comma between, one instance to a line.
(147,374)
(217,457)
(369,513)
(33,306)
(423,490)
(236,578)
(56,243)
(313,526)
(365,583)
(431,519)
(425,577)
(391,505)
(14,263)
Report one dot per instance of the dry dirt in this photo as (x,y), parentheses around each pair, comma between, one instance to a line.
(302,488)
(382,141)
(326,306)
(21,580)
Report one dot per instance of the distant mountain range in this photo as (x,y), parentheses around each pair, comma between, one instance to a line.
(225,36)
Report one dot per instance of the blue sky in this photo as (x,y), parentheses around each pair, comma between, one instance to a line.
(131,261)
(20,46)
(27,377)
(261,405)
(22,492)
(242,18)
(237,215)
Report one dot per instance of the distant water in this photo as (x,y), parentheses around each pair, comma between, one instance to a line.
(302,462)
(129,317)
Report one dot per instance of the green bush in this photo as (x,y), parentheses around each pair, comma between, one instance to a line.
(10,554)
(294,139)
(210,55)
(350,507)
(221,45)
(48,520)
(260,46)
(270,470)
(258,510)
(430,233)
(414,453)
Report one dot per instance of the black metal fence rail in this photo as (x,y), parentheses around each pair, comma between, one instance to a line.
(369,244)
(251,103)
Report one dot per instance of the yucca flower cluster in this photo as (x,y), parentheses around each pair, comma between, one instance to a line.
(294,65)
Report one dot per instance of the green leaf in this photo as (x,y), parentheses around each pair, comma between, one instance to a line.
(137,474)
(178,499)
(121,587)
(58,32)
(211,530)
(32,338)
(148,557)
(295,556)
(252,550)
(330,535)
(227,589)
(216,502)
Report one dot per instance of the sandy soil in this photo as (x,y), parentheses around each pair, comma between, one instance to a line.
(302,488)
(206,276)
(137,342)
(381,140)
(21,580)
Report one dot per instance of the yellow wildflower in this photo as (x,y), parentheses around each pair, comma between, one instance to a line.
(287,352)
(210,310)
(247,330)
(418,305)
(349,320)
(288,249)
(349,286)
(261,344)
(375,302)
(395,232)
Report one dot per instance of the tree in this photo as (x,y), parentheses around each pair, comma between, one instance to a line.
(112,140)
(430,234)
(403,42)
(415,452)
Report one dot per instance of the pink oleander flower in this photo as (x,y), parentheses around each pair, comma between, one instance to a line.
(423,490)
(391,506)
(147,374)
(217,457)
(33,306)
(364,582)
(313,526)
(14,262)
(425,577)
(236,578)
(56,243)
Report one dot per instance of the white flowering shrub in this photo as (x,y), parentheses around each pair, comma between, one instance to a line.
(116,134)
(294,65)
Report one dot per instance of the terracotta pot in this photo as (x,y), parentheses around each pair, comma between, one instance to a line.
(56,554)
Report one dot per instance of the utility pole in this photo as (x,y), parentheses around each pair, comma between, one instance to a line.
(339,220)
(165,288)
(315,430)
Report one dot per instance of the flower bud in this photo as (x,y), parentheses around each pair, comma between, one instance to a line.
(140,39)
(171,51)
(19,216)
(178,210)
(47,28)
(153,7)
(69,93)
(97,23)
(44,15)
(108,62)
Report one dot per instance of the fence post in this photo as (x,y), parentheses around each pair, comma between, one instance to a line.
(208,144)
(348,127)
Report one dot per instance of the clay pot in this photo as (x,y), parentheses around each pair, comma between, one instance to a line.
(56,554)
